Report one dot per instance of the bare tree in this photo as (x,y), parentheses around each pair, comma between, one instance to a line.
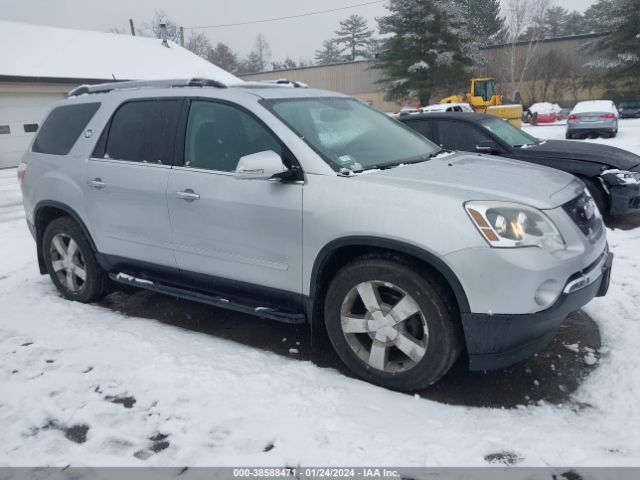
(199,44)
(152,29)
(222,56)
(524,30)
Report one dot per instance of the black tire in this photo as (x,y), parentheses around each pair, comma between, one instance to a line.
(599,196)
(90,289)
(568,136)
(443,343)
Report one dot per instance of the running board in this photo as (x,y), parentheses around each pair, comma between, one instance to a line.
(216,301)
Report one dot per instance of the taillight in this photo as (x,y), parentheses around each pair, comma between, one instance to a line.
(22,170)
(608,115)
(574,117)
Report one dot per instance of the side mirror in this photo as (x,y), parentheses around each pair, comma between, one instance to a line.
(487,147)
(259,166)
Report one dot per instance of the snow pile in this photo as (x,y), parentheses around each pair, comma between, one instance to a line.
(545,108)
(40,51)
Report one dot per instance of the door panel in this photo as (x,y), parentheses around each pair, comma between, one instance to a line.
(244,230)
(128,215)
(126,182)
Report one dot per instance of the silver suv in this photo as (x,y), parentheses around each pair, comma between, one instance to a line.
(305,206)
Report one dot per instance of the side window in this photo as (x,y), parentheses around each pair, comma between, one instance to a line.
(143,131)
(218,135)
(62,128)
(423,127)
(454,135)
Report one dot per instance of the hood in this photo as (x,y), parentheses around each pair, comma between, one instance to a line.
(464,176)
(586,151)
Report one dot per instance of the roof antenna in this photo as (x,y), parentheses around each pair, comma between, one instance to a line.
(163,34)
(114,77)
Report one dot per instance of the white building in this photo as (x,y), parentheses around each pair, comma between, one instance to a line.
(42,64)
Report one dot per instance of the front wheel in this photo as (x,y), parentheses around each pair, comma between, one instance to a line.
(71,262)
(391,324)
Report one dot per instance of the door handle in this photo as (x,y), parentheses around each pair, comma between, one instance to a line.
(96,183)
(188,195)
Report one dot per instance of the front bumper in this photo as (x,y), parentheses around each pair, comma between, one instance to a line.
(497,341)
(625,197)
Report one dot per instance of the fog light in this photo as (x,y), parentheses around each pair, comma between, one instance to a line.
(547,293)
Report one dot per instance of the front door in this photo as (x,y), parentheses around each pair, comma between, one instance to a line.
(126,182)
(248,231)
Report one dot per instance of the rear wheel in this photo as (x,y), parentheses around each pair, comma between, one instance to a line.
(392,325)
(568,136)
(71,262)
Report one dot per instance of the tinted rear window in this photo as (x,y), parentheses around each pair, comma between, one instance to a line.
(143,131)
(62,128)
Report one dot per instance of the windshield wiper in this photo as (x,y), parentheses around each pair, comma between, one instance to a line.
(387,166)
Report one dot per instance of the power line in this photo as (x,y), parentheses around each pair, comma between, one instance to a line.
(277,19)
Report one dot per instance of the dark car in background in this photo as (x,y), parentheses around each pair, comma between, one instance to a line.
(611,174)
(629,109)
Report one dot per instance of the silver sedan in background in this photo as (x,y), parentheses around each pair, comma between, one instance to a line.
(593,118)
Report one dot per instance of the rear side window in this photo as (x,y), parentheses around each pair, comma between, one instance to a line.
(143,131)
(62,128)
(423,127)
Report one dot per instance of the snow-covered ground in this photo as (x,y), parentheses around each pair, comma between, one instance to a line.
(628,134)
(84,385)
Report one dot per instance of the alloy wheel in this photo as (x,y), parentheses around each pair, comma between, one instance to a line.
(67,262)
(384,326)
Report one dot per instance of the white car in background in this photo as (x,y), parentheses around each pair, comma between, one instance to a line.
(593,118)
(447,107)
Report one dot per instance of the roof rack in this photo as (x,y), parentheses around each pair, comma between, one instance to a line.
(287,82)
(108,87)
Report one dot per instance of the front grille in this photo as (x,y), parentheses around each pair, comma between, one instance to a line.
(584,213)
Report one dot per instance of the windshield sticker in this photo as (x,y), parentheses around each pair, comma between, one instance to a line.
(345,158)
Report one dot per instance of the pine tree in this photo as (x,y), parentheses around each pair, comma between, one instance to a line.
(621,44)
(222,56)
(428,47)
(554,22)
(598,17)
(329,54)
(574,24)
(353,36)
(484,21)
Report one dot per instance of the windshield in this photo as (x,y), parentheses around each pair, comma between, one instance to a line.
(350,134)
(508,133)
(630,104)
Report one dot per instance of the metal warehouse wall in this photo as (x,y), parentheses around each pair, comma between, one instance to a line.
(357,79)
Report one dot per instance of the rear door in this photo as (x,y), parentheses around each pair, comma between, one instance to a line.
(126,182)
(247,231)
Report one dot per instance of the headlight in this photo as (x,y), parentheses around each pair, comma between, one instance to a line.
(629,177)
(509,225)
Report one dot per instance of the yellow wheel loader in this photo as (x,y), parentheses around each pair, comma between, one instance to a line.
(483,99)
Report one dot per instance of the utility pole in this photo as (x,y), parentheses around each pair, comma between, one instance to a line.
(182,36)
(133,30)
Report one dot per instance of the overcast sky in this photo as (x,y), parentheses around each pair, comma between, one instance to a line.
(295,38)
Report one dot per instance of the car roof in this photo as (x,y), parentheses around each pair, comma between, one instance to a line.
(466,116)
(594,106)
